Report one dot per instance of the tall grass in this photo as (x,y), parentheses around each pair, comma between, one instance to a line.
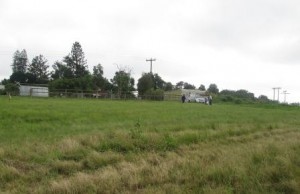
(96,146)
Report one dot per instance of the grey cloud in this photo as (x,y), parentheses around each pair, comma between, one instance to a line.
(285,54)
(239,24)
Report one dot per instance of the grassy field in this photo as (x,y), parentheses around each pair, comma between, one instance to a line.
(98,146)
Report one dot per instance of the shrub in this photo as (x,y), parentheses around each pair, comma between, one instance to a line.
(12,88)
(152,94)
(2,92)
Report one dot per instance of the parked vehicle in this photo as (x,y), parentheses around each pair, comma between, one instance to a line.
(201,99)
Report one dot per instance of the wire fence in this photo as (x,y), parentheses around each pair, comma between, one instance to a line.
(41,90)
(90,94)
(72,93)
(111,95)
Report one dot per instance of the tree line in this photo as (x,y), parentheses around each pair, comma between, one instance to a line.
(71,73)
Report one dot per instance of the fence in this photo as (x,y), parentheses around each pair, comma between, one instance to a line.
(35,91)
(71,93)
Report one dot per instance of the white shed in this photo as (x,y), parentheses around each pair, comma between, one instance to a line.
(37,91)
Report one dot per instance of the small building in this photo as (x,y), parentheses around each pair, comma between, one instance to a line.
(2,87)
(36,91)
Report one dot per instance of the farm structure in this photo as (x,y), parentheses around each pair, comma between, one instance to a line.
(36,91)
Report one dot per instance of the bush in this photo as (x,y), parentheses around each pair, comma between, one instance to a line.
(227,98)
(152,94)
(2,92)
(13,89)
(238,101)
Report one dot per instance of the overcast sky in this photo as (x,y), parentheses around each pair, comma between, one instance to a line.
(236,44)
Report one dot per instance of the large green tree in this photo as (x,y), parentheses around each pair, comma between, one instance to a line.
(244,94)
(188,86)
(168,86)
(18,77)
(184,85)
(61,71)
(39,68)
(179,85)
(123,82)
(76,61)
(145,83)
(159,82)
(99,81)
(201,87)
(20,61)
(152,86)
(213,88)
(72,72)
(263,98)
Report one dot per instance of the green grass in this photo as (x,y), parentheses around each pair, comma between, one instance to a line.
(103,146)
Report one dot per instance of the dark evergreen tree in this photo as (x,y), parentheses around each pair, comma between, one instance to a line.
(18,76)
(98,70)
(76,62)
(20,61)
(61,71)
(21,77)
(39,69)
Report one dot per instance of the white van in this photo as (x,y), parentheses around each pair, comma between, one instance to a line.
(202,99)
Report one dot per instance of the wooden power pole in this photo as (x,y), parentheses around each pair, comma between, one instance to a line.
(285,93)
(150,63)
(276,88)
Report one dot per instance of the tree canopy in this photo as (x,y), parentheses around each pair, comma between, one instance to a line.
(20,61)
(213,88)
(202,87)
(39,69)
(145,83)
(184,85)
(100,83)
(76,61)
(123,82)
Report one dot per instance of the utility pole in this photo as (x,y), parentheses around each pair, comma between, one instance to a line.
(276,88)
(150,63)
(285,93)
